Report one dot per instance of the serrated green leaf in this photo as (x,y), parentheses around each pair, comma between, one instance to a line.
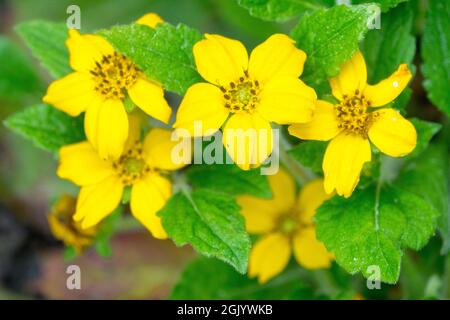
(229,179)
(428,177)
(282,10)
(164,54)
(310,154)
(435,49)
(211,223)
(375,224)
(425,131)
(330,37)
(386,48)
(211,279)
(48,128)
(47,43)
(17,76)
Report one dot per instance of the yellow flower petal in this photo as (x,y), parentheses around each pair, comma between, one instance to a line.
(261,214)
(220,60)
(392,134)
(150,19)
(248,140)
(277,56)
(323,126)
(148,196)
(388,89)
(97,201)
(311,197)
(352,77)
(149,96)
(343,161)
(310,252)
(204,104)
(135,120)
(283,191)
(86,49)
(269,256)
(286,100)
(81,164)
(106,126)
(71,94)
(158,147)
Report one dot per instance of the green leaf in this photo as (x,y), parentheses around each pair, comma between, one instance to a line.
(47,42)
(425,131)
(211,279)
(165,54)
(428,177)
(211,223)
(17,76)
(282,10)
(310,154)
(48,128)
(229,179)
(330,37)
(386,48)
(69,253)
(375,224)
(435,49)
(384,5)
(105,232)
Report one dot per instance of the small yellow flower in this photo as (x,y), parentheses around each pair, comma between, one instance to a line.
(102,82)
(64,228)
(246,93)
(285,223)
(141,167)
(150,19)
(351,123)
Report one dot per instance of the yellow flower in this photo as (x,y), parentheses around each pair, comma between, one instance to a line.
(150,19)
(141,167)
(102,82)
(64,228)
(285,222)
(352,123)
(245,93)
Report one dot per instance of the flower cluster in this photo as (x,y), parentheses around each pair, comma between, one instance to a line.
(239,92)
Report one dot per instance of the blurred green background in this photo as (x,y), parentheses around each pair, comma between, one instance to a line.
(31,261)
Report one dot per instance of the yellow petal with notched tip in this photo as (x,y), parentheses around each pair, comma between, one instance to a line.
(106,127)
(323,126)
(248,140)
(97,201)
(149,97)
(392,134)
(148,196)
(286,100)
(388,89)
(269,256)
(86,50)
(275,57)
(71,94)
(220,60)
(202,106)
(352,77)
(158,148)
(81,164)
(310,252)
(343,161)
